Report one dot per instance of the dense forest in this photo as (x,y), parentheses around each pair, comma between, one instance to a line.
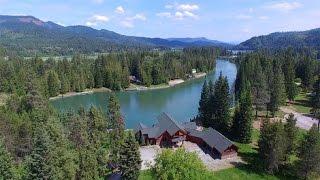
(27,36)
(278,40)
(265,81)
(111,71)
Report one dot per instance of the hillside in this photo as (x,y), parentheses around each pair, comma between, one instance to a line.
(297,39)
(27,35)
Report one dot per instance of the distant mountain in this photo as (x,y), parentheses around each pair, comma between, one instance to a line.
(202,41)
(27,35)
(295,39)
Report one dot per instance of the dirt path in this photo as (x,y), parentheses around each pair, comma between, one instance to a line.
(303,121)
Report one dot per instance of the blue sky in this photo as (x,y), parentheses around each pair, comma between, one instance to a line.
(226,20)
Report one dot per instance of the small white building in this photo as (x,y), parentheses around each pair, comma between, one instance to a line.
(194,71)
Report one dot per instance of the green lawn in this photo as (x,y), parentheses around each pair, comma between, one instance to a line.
(250,171)
(302,104)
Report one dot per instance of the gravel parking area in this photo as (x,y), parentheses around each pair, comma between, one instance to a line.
(210,163)
(148,154)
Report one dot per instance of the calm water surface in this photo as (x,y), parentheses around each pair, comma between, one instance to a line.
(181,101)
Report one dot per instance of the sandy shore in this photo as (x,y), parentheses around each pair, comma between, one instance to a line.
(87,91)
(133,87)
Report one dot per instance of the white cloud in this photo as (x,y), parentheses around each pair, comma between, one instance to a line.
(284,6)
(129,21)
(119,10)
(164,14)
(180,11)
(127,24)
(138,17)
(96,19)
(243,17)
(263,17)
(98,1)
(187,7)
(88,23)
(169,6)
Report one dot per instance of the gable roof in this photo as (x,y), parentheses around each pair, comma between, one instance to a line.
(213,138)
(167,123)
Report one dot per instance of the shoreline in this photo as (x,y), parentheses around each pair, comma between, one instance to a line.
(85,92)
(134,87)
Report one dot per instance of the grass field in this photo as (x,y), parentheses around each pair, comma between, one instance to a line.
(302,104)
(250,171)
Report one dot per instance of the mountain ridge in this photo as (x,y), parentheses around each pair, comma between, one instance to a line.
(30,35)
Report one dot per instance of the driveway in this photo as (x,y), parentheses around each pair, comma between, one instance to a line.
(148,154)
(303,121)
(209,162)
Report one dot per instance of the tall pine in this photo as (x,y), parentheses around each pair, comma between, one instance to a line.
(203,110)
(309,155)
(130,161)
(221,120)
(6,163)
(272,145)
(278,93)
(242,120)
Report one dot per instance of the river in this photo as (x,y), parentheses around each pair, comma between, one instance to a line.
(181,101)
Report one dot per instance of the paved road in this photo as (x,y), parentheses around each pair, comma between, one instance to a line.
(303,121)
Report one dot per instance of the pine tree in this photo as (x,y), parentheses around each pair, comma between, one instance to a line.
(242,121)
(53,84)
(221,106)
(88,164)
(65,84)
(117,125)
(309,155)
(291,131)
(278,95)
(289,75)
(6,163)
(130,162)
(315,100)
(261,95)
(272,145)
(203,109)
(38,166)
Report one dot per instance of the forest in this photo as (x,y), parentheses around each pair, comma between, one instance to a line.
(110,71)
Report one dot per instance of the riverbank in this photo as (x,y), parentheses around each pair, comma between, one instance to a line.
(171,83)
(86,91)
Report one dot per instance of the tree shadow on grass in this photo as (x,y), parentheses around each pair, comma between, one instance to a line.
(254,165)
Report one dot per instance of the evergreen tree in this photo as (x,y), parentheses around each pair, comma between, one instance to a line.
(53,84)
(65,85)
(309,155)
(271,145)
(130,162)
(315,100)
(38,166)
(6,163)
(278,95)
(88,164)
(117,125)
(221,106)
(242,121)
(203,110)
(289,75)
(291,132)
(259,87)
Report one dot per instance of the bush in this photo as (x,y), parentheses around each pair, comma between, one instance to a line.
(179,164)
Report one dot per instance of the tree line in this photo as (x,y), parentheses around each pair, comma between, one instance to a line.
(38,143)
(110,71)
(264,82)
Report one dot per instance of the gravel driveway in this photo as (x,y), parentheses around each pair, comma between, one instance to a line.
(148,154)
(303,121)
(209,162)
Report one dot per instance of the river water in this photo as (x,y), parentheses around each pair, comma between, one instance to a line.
(181,101)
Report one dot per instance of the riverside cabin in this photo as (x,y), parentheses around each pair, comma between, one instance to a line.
(168,132)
